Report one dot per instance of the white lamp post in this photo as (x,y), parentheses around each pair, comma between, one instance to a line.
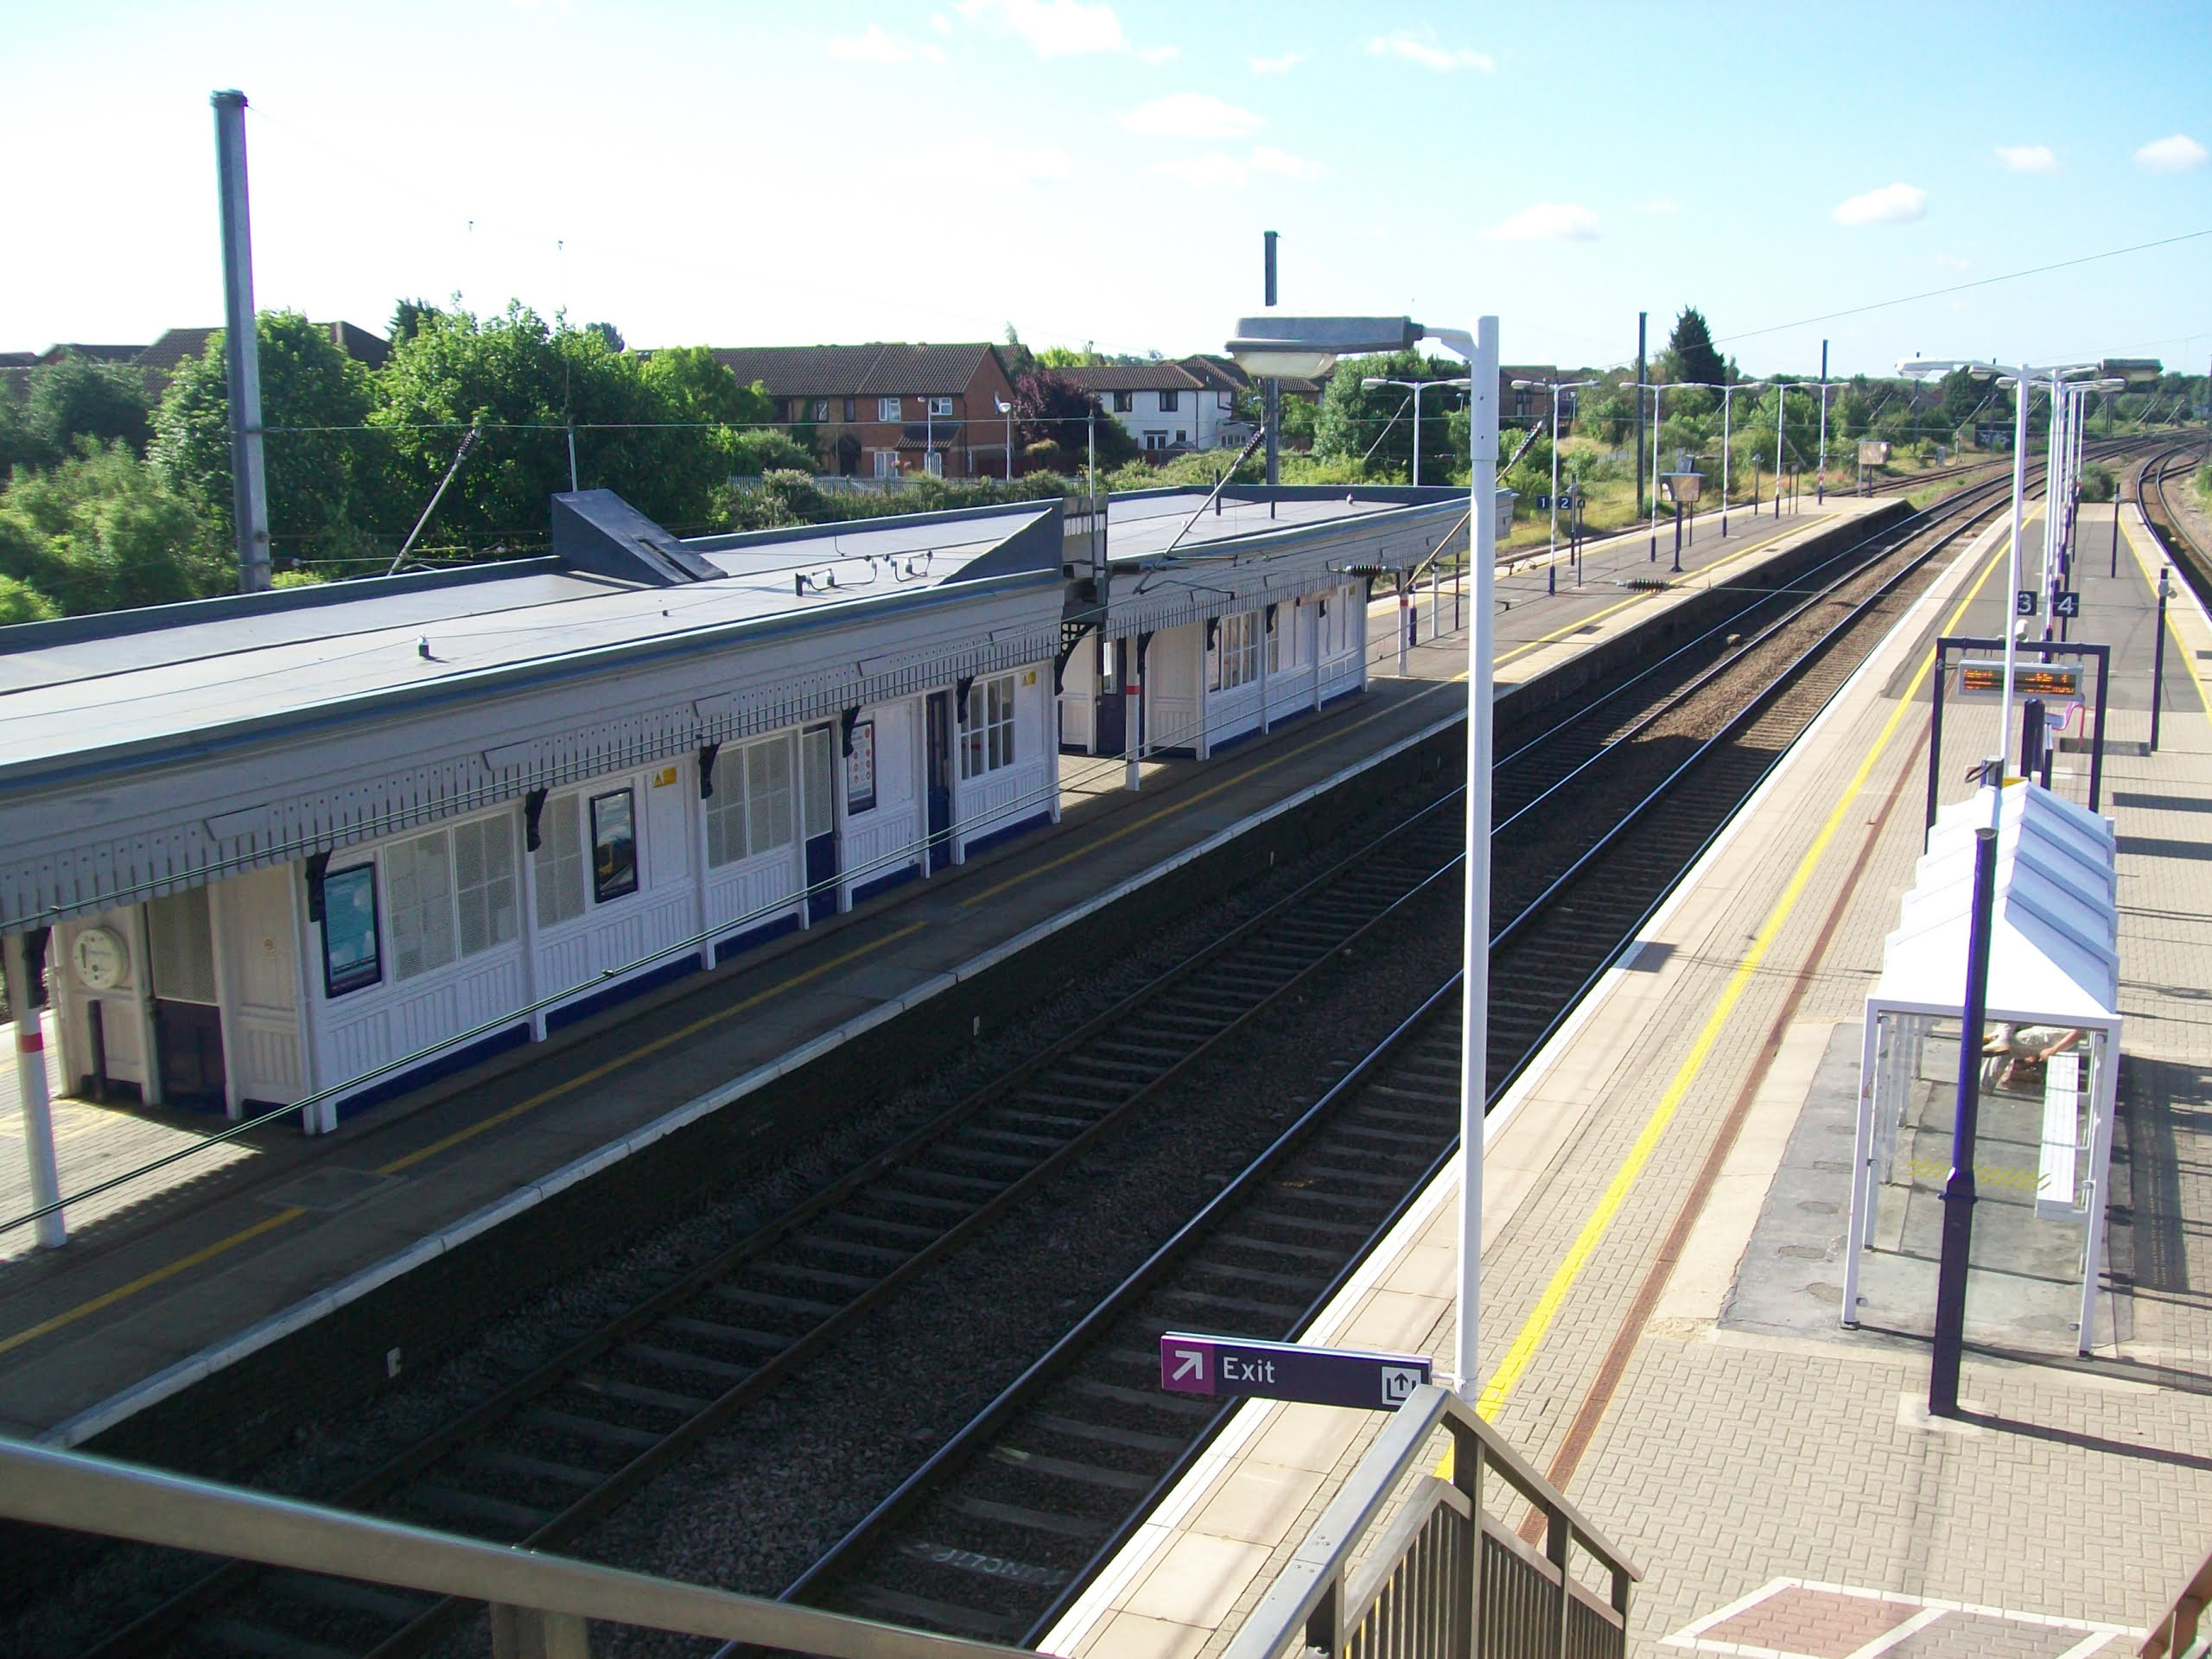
(1305,346)
(1006,410)
(1553,388)
(2021,377)
(1417,387)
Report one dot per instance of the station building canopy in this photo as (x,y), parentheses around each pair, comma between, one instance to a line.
(146,751)
(1260,545)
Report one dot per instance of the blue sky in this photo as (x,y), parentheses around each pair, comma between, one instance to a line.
(1102,170)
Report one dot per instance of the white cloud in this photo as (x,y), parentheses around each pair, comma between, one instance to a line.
(2027,158)
(1426,53)
(1659,205)
(940,23)
(1216,170)
(1546,221)
(1056,29)
(1282,66)
(971,159)
(1192,115)
(1893,204)
(1210,172)
(872,45)
(1283,164)
(1948,262)
(2175,155)
(1159,53)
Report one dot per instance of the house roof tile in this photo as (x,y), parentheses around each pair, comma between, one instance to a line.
(877,369)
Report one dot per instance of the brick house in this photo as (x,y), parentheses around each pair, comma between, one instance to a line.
(884,409)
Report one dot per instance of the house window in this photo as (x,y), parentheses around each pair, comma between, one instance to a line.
(1125,403)
(1170,402)
(750,811)
(1236,651)
(940,405)
(1155,440)
(558,862)
(987,728)
(1524,404)
(351,957)
(886,409)
(933,464)
(1181,436)
(1225,402)
(822,409)
(852,408)
(886,464)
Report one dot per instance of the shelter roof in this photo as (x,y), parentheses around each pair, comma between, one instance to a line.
(2054,948)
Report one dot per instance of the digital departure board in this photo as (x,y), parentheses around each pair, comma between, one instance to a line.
(2029,679)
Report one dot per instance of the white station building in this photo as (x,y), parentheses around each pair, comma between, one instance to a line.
(317,844)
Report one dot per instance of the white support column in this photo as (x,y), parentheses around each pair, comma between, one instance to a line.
(1474,1012)
(142,1007)
(31,1092)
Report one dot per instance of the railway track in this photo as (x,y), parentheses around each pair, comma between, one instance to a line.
(560,1447)
(2170,469)
(997,1533)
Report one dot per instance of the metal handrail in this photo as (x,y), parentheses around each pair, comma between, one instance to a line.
(1321,1602)
(548,1596)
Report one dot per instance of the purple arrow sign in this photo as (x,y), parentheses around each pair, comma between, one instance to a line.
(1215,1366)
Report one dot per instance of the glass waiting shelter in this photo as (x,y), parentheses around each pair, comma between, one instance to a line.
(2050,1074)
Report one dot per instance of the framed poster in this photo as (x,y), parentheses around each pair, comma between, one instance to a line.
(614,845)
(859,769)
(353,957)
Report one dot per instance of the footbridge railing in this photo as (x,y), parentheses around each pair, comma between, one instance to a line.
(1411,1561)
(541,1605)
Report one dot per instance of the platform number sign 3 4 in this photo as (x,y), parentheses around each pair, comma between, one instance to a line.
(2066,602)
(2023,602)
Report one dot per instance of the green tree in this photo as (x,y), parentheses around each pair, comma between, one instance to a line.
(21,602)
(1689,355)
(696,386)
(763,450)
(529,386)
(78,398)
(1053,421)
(1356,424)
(98,531)
(324,477)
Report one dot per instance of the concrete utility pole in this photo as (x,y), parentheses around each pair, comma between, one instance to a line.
(1272,412)
(1642,318)
(1822,487)
(30,1087)
(242,347)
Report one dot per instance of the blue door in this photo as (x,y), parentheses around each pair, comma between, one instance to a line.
(940,782)
(817,764)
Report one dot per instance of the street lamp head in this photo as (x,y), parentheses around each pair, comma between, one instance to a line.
(1526,386)
(1004,407)
(1275,348)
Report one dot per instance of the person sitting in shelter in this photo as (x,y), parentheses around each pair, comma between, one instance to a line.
(2016,1055)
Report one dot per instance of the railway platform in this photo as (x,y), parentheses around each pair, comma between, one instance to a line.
(213,1265)
(1665,1200)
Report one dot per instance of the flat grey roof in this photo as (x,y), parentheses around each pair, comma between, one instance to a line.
(1141,526)
(218,662)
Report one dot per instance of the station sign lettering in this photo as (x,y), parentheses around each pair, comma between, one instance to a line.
(2066,602)
(1219,1367)
(2029,679)
(2023,602)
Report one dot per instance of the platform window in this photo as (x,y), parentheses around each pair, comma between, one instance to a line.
(750,811)
(420,871)
(560,861)
(1236,651)
(987,741)
(614,845)
(484,883)
(351,958)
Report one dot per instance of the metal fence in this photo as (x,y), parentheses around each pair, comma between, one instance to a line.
(541,1606)
(1421,1589)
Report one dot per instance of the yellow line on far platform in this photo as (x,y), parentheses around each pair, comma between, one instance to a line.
(1538,1325)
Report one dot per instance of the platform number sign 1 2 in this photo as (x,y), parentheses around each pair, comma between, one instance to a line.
(2023,602)
(2066,602)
